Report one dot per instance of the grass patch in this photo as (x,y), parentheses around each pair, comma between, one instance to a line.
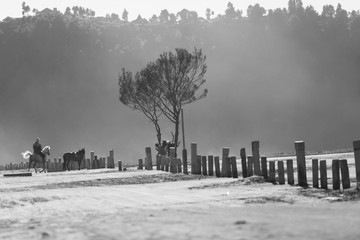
(331,195)
(272,199)
(8,204)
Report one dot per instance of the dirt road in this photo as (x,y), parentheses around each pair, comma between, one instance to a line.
(97,205)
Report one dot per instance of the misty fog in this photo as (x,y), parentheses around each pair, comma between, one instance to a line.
(276,83)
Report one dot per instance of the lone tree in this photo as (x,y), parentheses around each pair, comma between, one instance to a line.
(181,76)
(137,92)
(165,86)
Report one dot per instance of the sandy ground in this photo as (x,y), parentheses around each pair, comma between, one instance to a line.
(106,204)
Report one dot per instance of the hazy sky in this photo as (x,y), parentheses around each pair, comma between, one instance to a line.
(294,109)
(147,8)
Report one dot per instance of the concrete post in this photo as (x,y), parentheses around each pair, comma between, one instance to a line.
(315,173)
(264,170)
(234,167)
(185,163)
(211,165)
(336,174)
(194,167)
(356,145)
(148,159)
(323,174)
(301,163)
(255,146)
(224,165)
(243,163)
(217,167)
(204,165)
(345,174)
(120,165)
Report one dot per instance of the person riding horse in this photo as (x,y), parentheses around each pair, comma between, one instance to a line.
(37,148)
(161,149)
(38,156)
(164,148)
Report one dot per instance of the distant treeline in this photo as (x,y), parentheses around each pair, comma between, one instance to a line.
(49,41)
(46,40)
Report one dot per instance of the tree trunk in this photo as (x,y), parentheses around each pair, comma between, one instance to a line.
(158,135)
(177,123)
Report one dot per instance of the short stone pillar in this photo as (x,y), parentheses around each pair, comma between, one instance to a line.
(198,163)
(281,172)
(162,163)
(179,163)
(195,167)
(211,165)
(336,174)
(225,167)
(92,154)
(88,165)
(204,165)
(141,166)
(255,146)
(173,161)
(111,162)
(217,166)
(272,178)
(167,163)
(148,159)
(250,166)
(356,145)
(158,162)
(120,165)
(315,173)
(290,171)
(345,174)
(234,167)
(243,163)
(264,169)
(301,163)
(323,174)
(185,163)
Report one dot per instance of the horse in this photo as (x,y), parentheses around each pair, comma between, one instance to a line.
(36,158)
(73,156)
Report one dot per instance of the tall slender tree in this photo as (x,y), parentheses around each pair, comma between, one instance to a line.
(25,9)
(125,15)
(165,86)
(182,75)
(138,93)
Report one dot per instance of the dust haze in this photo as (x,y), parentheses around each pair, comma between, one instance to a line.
(267,88)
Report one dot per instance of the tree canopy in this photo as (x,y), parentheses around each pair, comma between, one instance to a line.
(165,86)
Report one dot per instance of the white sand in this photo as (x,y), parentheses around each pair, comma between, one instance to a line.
(216,208)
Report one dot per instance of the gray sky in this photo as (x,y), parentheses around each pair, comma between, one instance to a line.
(147,8)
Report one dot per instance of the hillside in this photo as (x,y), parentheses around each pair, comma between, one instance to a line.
(275,76)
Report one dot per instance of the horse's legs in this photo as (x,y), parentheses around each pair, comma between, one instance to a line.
(43,170)
(29,165)
(44,167)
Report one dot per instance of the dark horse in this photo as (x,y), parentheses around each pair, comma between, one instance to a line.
(74,156)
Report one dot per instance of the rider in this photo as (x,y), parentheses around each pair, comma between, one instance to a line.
(37,147)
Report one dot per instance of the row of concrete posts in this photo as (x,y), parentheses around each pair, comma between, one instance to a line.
(260,166)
